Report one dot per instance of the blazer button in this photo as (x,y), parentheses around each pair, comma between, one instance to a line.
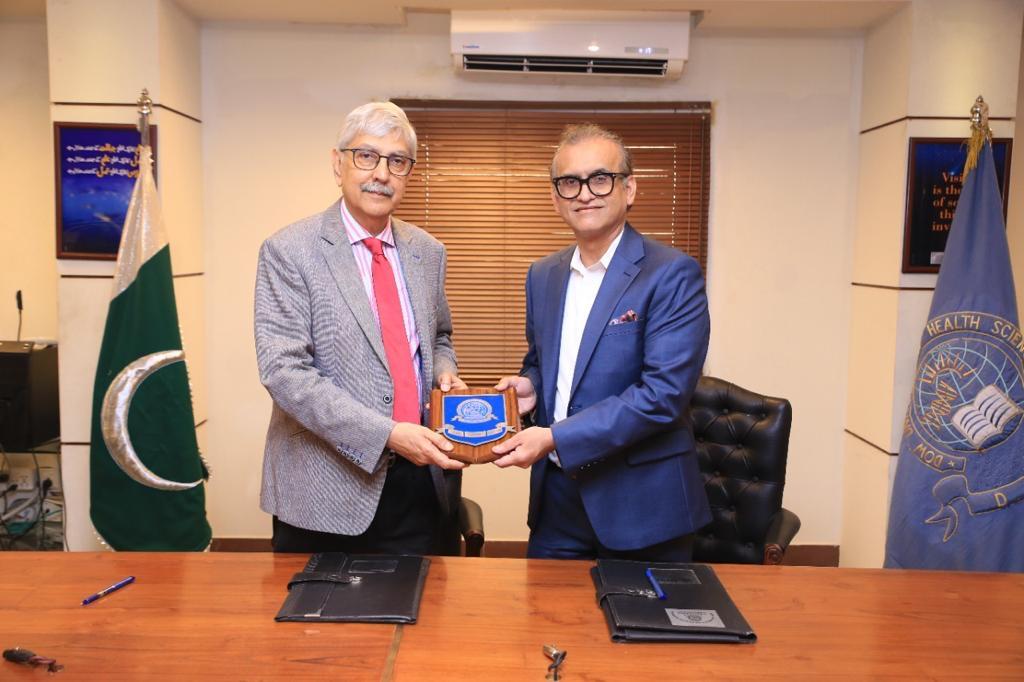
(387,399)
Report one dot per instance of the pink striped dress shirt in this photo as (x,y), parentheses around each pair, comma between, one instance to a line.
(356,233)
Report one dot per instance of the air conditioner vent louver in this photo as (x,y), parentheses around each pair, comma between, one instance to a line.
(591,44)
(541,64)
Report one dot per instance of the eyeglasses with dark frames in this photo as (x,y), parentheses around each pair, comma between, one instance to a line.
(600,184)
(367,159)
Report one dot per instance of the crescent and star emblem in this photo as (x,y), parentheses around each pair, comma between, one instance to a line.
(114,419)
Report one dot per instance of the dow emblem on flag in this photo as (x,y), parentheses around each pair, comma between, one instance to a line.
(966,400)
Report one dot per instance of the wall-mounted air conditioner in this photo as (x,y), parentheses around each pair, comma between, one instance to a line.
(651,44)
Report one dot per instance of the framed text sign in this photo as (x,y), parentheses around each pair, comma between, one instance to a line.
(95,165)
(934,177)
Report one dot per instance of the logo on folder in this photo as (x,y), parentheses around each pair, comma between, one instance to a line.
(474,419)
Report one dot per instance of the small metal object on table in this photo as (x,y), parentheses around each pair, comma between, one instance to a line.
(557,656)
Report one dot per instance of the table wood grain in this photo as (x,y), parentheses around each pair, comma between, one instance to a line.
(494,615)
(187,616)
(210,616)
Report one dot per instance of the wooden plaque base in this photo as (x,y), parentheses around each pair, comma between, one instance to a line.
(475,454)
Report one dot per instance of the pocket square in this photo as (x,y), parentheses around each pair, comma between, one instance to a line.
(628,316)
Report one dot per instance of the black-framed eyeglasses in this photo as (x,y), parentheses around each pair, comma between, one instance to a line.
(367,159)
(600,184)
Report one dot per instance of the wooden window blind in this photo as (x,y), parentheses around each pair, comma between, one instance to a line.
(482,186)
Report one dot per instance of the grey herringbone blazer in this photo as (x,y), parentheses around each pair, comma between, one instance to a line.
(322,360)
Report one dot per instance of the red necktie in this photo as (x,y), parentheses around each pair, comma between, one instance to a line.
(396,342)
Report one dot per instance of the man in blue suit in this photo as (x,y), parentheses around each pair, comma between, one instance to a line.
(618,328)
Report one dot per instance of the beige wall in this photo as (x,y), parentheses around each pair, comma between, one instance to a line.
(783,162)
(785,167)
(27,241)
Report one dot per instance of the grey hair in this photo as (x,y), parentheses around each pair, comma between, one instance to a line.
(580,132)
(378,119)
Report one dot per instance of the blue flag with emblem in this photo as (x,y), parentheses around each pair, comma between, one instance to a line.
(956,501)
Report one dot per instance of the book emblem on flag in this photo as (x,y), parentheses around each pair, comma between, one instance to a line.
(474,419)
(985,416)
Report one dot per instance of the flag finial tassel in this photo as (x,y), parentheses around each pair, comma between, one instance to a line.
(980,134)
(145,105)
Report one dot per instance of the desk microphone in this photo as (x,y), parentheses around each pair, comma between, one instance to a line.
(17,299)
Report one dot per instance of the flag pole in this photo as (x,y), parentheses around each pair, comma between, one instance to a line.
(145,105)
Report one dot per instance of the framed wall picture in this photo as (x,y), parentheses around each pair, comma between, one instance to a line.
(95,165)
(934,177)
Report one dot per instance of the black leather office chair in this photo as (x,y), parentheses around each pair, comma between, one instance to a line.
(471,526)
(742,443)
(463,534)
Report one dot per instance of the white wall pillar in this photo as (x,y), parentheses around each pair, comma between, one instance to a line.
(26,174)
(101,54)
(923,68)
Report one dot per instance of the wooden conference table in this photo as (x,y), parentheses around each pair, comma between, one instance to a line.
(210,616)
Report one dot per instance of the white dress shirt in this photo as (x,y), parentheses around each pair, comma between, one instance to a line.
(584,283)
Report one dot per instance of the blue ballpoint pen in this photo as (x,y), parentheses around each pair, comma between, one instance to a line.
(107,590)
(655,584)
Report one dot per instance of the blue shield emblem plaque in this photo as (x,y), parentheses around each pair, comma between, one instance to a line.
(474,419)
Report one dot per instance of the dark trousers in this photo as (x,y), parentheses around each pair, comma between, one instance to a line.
(408,521)
(563,530)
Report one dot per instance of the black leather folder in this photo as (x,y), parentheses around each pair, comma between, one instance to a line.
(696,607)
(356,588)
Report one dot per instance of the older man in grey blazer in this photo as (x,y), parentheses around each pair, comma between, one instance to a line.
(352,331)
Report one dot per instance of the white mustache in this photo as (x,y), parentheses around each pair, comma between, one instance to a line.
(377,188)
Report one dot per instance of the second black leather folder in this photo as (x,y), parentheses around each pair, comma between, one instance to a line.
(696,607)
(358,588)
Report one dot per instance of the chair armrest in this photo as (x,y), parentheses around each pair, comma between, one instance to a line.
(471,526)
(781,532)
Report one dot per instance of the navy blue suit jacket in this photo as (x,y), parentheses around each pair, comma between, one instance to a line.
(626,440)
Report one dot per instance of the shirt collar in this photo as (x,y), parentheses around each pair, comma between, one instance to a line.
(357,233)
(577,263)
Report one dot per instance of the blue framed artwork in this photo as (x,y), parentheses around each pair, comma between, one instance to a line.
(95,165)
(934,177)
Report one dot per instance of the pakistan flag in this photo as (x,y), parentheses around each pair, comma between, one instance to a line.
(147,476)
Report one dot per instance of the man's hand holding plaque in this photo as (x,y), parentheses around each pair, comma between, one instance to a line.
(474,420)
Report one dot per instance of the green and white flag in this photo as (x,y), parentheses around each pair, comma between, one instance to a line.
(147,476)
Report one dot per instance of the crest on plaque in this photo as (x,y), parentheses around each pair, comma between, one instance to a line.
(474,419)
